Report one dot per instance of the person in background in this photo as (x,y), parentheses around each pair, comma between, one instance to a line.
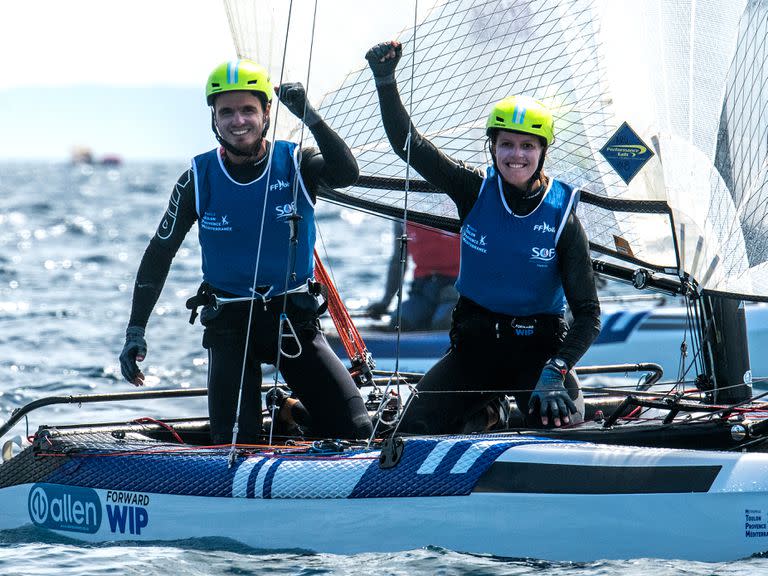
(432,295)
(257,239)
(524,253)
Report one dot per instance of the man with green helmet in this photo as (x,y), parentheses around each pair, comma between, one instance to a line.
(524,254)
(240,77)
(253,201)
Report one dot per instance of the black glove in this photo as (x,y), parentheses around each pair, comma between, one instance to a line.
(383,59)
(551,396)
(135,350)
(377,309)
(294,97)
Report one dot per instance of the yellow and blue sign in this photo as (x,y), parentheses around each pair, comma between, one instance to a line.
(626,152)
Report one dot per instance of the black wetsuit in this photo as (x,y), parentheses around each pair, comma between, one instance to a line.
(484,355)
(317,375)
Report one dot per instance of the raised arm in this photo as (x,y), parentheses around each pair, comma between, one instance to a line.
(452,176)
(333,163)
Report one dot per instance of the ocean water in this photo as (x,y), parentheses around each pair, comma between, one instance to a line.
(71,238)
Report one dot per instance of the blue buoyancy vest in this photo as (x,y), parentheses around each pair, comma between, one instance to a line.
(509,264)
(230,221)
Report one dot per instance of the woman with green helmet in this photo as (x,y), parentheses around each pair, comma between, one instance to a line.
(524,254)
(253,201)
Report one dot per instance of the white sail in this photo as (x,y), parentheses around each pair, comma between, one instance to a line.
(686,76)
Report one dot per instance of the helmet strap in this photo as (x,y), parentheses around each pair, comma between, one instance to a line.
(537,174)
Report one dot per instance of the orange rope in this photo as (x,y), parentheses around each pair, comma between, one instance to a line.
(350,337)
(148,420)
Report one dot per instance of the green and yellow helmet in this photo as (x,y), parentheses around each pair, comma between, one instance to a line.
(522,114)
(238,75)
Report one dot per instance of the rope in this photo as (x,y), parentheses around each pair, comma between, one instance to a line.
(403,245)
(148,420)
(291,255)
(235,426)
(350,337)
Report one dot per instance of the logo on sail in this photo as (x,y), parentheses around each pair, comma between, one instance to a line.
(626,152)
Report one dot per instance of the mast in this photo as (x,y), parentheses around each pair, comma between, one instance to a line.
(726,351)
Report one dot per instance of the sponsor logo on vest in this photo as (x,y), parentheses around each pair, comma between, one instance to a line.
(543,227)
(523,329)
(279,185)
(126,511)
(285,210)
(211,221)
(69,508)
(469,236)
(542,254)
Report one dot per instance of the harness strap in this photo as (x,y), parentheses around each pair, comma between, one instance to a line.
(207,296)
(202,298)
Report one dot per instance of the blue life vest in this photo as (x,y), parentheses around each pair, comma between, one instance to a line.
(509,264)
(230,221)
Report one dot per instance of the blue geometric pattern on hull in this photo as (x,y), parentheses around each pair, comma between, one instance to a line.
(447,466)
(440,467)
(191,475)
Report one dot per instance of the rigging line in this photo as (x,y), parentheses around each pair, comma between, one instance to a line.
(683,367)
(235,425)
(696,327)
(294,218)
(691,46)
(403,238)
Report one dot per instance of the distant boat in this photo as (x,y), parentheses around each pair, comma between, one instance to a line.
(82,155)
(111,160)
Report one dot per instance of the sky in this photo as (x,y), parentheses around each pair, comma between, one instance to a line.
(127,78)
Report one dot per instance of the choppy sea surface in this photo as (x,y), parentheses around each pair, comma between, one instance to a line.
(71,238)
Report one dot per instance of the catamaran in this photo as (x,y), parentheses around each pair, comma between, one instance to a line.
(660,108)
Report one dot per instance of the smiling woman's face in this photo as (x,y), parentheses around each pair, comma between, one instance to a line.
(517,156)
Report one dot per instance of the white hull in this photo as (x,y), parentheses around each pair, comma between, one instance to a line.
(726,521)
